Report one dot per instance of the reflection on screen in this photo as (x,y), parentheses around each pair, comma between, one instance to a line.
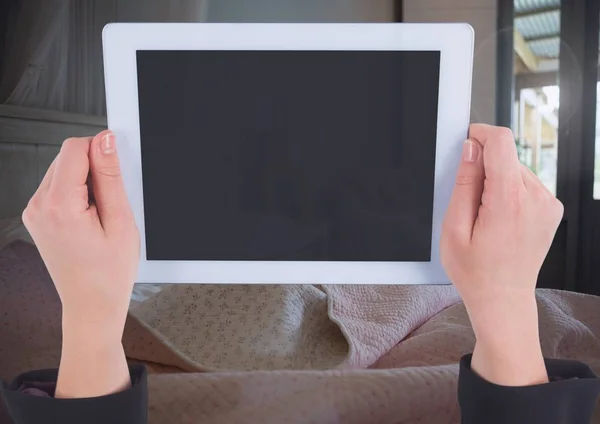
(288,155)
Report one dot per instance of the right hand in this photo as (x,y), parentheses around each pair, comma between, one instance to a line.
(496,234)
(501,220)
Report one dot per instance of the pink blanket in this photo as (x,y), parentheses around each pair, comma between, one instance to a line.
(293,354)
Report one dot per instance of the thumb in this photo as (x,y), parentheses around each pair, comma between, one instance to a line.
(107,183)
(466,197)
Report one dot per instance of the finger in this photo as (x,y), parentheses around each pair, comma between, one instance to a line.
(500,158)
(70,172)
(45,184)
(109,190)
(39,193)
(466,197)
(532,182)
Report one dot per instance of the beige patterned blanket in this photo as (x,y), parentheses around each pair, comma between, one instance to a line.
(287,354)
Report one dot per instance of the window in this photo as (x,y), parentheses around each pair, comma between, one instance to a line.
(536,131)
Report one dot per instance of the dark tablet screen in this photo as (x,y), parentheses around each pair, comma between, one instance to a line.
(288,155)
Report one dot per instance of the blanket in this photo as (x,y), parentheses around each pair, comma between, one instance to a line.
(287,354)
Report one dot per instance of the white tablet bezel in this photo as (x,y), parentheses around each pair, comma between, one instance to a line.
(454,41)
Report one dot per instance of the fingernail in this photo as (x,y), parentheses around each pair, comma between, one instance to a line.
(470,151)
(107,144)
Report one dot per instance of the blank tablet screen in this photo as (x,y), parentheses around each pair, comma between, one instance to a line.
(288,155)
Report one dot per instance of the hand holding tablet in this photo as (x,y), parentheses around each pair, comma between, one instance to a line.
(289,153)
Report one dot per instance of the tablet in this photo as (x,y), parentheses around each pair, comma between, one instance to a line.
(289,153)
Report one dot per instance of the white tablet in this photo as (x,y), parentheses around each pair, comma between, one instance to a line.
(289,153)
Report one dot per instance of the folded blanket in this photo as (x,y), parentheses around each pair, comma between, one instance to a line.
(335,354)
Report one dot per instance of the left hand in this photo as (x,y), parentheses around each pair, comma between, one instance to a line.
(91,248)
(84,229)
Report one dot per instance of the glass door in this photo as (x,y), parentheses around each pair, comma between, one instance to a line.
(578,129)
(535,118)
(536,108)
(556,122)
(592,282)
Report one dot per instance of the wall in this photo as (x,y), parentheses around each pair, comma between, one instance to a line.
(29,141)
(160,10)
(300,11)
(482,15)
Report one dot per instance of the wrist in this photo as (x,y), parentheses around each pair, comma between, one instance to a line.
(501,317)
(508,349)
(91,369)
(91,332)
(519,365)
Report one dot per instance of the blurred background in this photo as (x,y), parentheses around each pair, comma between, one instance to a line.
(536,71)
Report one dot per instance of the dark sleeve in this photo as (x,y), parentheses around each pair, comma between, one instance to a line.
(27,404)
(569,398)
